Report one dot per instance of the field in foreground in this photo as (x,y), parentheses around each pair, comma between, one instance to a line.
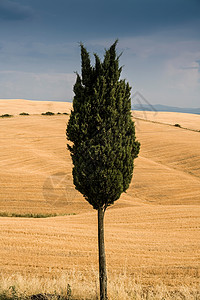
(74,286)
(152,232)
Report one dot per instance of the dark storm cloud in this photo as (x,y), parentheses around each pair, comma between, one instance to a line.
(116,17)
(12,11)
(78,19)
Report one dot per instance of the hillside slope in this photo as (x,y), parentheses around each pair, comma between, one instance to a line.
(189,121)
(35,166)
(17,106)
(152,232)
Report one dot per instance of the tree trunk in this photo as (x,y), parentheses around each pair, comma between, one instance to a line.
(102,256)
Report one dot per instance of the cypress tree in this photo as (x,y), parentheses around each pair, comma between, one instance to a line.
(103,139)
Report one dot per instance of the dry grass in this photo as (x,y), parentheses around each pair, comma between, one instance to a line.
(77,286)
(152,232)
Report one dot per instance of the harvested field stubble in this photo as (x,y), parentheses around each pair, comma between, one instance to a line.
(158,243)
(152,232)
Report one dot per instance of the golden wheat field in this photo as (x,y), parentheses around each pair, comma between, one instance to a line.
(189,121)
(152,232)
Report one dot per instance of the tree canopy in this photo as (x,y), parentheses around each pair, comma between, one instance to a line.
(101,130)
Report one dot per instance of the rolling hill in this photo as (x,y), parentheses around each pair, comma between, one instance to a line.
(151,232)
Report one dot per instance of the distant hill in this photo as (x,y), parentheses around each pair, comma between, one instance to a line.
(160,107)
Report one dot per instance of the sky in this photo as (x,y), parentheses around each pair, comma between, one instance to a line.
(159,39)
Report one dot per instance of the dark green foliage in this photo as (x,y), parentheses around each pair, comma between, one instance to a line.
(10,294)
(69,292)
(16,215)
(6,116)
(102,131)
(48,113)
(24,114)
